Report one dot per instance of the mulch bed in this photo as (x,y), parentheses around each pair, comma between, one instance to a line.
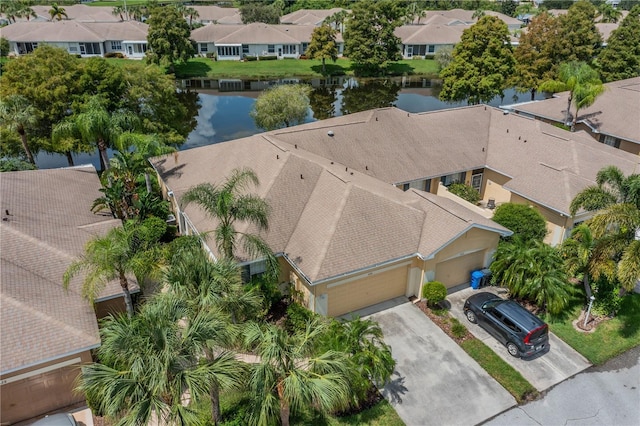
(443,320)
(373,398)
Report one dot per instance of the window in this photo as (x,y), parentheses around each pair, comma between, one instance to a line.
(204,47)
(432,48)
(417,50)
(611,141)
(245,49)
(454,178)
(305,46)
(251,270)
(116,45)
(90,48)
(476,181)
(73,49)
(406,187)
(228,50)
(289,49)
(271,48)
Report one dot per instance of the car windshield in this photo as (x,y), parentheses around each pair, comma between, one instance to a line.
(491,303)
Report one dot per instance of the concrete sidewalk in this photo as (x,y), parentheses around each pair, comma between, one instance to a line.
(435,382)
(543,370)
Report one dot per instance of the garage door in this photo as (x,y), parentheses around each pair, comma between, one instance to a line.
(458,271)
(367,291)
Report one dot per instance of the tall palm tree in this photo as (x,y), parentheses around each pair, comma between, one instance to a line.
(611,187)
(228,204)
(149,365)
(122,252)
(57,12)
(206,285)
(583,84)
(119,12)
(292,375)
(18,114)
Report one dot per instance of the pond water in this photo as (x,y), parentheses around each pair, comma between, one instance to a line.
(225,104)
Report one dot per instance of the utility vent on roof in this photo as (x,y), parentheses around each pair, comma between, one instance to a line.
(330,132)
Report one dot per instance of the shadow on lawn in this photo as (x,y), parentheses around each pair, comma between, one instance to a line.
(330,69)
(629,315)
(192,69)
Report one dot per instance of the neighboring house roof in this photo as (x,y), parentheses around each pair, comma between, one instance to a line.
(215,13)
(430,34)
(465,16)
(309,16)
(615,112)
(254,33)
(606,29)
(550,168)
(328,219)
(74,31)
(81,12)
(47,225)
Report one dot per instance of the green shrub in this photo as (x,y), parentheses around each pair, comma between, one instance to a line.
(418,58)
(4,47)
(607,298)
(118,55)
(458,329)
(268,288)
(466,192)
(525,222)
(250,58)
(434,292)
(297,317)
(268,58)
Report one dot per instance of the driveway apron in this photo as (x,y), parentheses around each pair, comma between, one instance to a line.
(435,382)
(544,370)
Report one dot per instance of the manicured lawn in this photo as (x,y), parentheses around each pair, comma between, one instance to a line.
(504,374)
(612,337)
(203,67)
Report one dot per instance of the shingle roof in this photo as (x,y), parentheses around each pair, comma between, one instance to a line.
(431,34)
(328,219)
(253,33)
(75,31)
(217,13)
(615,112)
(309,16)
(81,12)
(47,225)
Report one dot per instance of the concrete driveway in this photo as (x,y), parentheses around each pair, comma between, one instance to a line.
(435,382)
(542,371)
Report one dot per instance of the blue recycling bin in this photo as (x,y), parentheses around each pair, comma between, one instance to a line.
(476,279)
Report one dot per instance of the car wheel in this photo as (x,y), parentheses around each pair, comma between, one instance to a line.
(513,349)
(471,316)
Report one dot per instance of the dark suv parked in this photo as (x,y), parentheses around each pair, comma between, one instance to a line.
(523,333)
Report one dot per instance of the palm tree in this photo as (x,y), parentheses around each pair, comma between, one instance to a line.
(122,252)
(291,375)
(205,286)
(583,84)
(149,365)
(24,10)
(612,187)
(18,114)
(609,14)
(118,11)
(57,12)
(228,204)
(533,270)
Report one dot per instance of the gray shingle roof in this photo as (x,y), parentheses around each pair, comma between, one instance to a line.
(254,33)
(49,222)
(75,31)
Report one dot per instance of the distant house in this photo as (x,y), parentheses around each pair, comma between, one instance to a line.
(613,119)
(425,40)
(360,207)
(315,17)
(218,15)
(234,42)
(128,38)
(47,332)
(75,12)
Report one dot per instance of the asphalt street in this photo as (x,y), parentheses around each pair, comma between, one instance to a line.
(608,394)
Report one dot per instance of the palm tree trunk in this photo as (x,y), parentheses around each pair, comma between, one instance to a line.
(323,67)
(104,159)
(127,295)
(147,181)
(568,114)
(69,158)
(214,393)
(25,145)
(284,406)
(533,94)
(574,120)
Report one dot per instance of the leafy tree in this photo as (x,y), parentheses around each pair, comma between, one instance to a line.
(292,375)
(583,84)
(508,7)
(322,102)
(4,47)
(260,12)
(444,56)
(281,106)
(323,45)
(8,164)
(535,271)
(608,13)
(620,58)
(227,204)
(482,63)
(466,192)
(148,363)
(337,20)
(580,40)
(18,115)
(525,222)
(535,54)
(168,37)
(369,95)
(57,12)
(188,13)
(369,36)
(130,250)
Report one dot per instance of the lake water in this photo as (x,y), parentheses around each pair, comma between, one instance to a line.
(225,105)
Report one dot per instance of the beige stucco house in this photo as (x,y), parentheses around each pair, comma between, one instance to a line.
(46,333)
(347,235)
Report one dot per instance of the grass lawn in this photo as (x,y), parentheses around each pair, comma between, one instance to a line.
(611,337)
(204,67)
(504,374)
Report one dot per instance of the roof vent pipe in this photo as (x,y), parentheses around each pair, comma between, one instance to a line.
(330,132)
